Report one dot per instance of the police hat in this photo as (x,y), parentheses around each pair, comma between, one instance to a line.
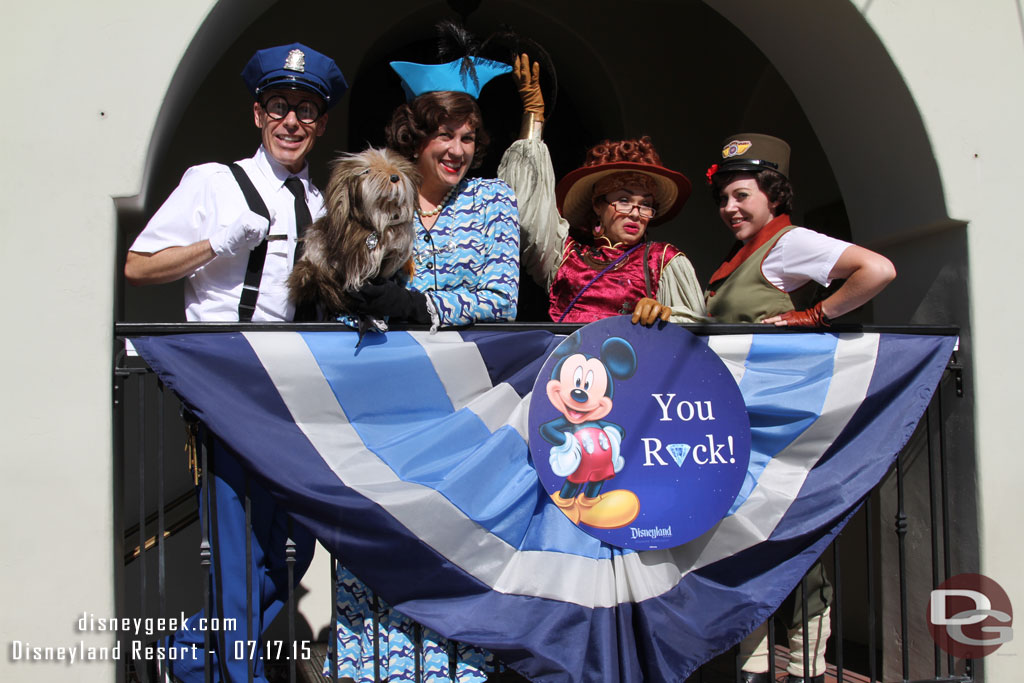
(294,67)
(753,152)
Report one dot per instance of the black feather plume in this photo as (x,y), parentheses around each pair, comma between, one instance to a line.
(453,41)
(505,45)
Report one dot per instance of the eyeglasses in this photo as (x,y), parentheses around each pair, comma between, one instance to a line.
(625,207)
(277,107)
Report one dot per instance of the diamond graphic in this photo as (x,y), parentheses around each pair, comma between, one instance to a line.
(678,451)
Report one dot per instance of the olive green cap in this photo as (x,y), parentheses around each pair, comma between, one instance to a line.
(753,152)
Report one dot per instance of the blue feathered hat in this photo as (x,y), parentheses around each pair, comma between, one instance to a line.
(468,75)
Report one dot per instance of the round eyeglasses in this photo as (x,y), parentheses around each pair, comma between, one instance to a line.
(277,107)
(625,207)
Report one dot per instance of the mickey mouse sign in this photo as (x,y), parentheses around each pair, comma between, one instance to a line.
(640,436)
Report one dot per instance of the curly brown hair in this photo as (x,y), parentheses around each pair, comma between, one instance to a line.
(776,187)
(416,121)
(637,150)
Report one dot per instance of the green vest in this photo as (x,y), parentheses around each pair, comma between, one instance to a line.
(745,296)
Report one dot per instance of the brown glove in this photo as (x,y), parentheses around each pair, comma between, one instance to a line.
(811,317)
(527,79)
(648,311)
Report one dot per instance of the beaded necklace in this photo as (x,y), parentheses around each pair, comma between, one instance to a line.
(437,209)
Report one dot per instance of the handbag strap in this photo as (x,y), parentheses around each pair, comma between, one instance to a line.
(595,279)
(647,269)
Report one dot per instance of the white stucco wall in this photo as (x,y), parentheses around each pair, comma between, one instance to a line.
(84,84)
(88,82)
(964,65)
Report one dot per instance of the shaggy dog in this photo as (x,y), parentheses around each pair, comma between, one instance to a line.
(366,234)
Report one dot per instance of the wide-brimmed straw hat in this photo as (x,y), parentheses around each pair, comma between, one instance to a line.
(574,192)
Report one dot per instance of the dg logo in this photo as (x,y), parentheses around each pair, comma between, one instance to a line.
(970,616)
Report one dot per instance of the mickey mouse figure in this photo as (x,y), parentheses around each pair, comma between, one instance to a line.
(586,447)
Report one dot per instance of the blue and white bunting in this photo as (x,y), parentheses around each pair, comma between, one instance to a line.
(407,457)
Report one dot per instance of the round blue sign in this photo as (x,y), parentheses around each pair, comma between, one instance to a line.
(639,435)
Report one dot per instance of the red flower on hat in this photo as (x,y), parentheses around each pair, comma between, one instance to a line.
(712,170)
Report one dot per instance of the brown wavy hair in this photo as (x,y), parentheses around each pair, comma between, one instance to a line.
(776,187)
(416,121)
(636,150)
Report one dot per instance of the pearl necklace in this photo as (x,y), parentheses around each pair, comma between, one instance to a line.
(437,209)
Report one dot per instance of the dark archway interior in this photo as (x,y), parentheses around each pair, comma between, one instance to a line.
(678,87)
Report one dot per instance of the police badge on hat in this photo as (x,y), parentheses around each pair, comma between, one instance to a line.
(296,61)
(295,67)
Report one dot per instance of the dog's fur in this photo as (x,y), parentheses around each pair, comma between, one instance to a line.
(373,191)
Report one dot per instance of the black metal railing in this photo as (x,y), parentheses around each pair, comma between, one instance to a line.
(156,505)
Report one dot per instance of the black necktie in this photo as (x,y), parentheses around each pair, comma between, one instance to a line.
(302,217)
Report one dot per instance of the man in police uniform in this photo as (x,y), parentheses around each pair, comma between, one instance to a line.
(231,232)
(206,230)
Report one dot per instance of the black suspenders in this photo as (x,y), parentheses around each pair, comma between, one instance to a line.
(254,270)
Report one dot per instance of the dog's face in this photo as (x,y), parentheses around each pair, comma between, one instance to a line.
(371,202)
(381,187)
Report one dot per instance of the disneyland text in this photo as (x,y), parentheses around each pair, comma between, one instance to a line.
(27,652)
(653,532)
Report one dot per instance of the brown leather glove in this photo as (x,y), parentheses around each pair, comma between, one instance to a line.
(811,317)
(527,79)
(648,311)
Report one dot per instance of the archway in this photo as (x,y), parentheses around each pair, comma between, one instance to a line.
(687,72)
(649,73)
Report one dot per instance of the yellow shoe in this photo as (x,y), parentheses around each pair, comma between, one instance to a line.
(568,506)
(609,510)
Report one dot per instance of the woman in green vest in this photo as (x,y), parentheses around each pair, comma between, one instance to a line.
(777,272)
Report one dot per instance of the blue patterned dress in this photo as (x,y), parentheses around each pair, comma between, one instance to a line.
(360,620)
(468,264)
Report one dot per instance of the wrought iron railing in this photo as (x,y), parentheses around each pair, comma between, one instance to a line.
(155,505)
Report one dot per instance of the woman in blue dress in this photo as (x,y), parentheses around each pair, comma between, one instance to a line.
(467,229)
(466,270)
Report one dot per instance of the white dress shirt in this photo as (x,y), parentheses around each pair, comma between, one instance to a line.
(802,255)
(208,198)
